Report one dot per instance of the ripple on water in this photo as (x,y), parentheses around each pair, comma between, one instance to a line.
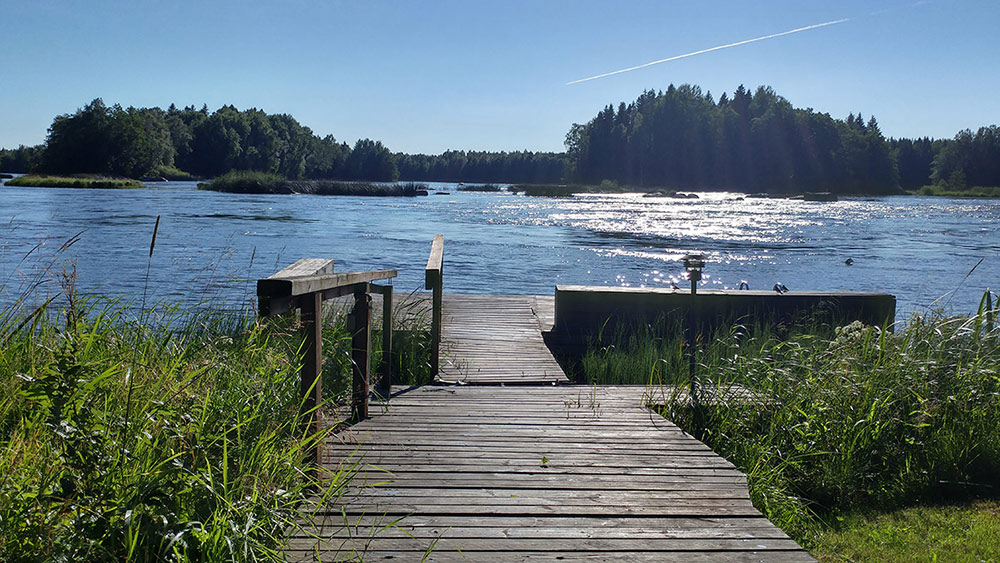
(918,248)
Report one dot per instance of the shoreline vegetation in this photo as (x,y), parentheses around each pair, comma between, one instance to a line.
(159,434)
(971,192)
(249,182)
(162,433)
(828,422)
(681,138)
(261,183)
(83,182)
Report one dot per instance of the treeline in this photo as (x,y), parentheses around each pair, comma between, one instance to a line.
(756,142)
(475,166)
(679,138)
(683,138)
(151,141)
(138,142)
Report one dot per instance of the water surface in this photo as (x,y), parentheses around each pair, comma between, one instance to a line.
(212,246)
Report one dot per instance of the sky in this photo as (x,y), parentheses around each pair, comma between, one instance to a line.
(424,76)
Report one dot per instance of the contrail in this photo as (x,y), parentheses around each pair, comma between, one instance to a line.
(686,55)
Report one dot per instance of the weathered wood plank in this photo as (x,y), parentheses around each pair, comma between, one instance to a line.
(518,473)
(593,530)
(434,281)
(291,287)
(431,555)
(306,267)
(445,543)
(486,339)
(435,263)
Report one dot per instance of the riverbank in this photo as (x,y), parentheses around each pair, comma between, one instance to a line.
(84,182)
(836,420)
(975,191)
(161,433)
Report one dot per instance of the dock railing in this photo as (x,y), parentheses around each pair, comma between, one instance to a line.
(305,285)
(433,282)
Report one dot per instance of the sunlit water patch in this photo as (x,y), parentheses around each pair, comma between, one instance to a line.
(211,247)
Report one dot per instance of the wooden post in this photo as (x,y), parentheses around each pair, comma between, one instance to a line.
(359,323)
(311,384)
(436,328)
(386,367)
(433,280)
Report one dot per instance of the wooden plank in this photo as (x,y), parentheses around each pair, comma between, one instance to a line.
(432,555)
(290,287)
(435,263)
(305,267)
(462,470)
(359,325)
(457,529)
(494,339)
(310,376)
(385,367)
(482,526)
(468,545)
(433,280)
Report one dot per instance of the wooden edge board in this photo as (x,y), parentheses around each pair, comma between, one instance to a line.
(305,267)
(432,274)
(295,286)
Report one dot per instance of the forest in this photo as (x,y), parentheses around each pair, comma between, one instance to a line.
(758,142)
(678,138)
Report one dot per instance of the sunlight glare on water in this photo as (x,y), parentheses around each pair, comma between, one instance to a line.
(214,246)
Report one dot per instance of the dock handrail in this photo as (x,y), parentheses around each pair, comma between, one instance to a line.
(433,281)
(305,285)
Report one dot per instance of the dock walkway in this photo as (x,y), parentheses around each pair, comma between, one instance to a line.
(543,472)
(492,339)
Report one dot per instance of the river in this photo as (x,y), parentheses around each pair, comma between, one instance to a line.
(210,247)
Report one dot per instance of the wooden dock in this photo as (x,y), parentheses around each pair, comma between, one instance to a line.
(477,473)
(534,471)
(493,339)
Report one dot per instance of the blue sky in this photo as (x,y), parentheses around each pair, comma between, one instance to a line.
(426,76)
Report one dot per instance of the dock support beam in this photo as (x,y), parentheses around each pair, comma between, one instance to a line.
(433,281)
(384,388)
(311,376)
(359,324)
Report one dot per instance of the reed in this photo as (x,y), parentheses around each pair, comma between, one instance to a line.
(825,422)
(34,180)
(167,433)
(487,188)
(124,439)
(249,182)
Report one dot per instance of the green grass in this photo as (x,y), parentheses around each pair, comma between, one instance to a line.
(487,188)
(974,191)
(34,180)
(171,173)
(606,187)
(967,532)
(246,182)
(367,189)
(162,434)
(842,419)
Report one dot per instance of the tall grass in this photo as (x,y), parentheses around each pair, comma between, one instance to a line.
(173,438)
(834,421)
(249,182)
(34,180)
